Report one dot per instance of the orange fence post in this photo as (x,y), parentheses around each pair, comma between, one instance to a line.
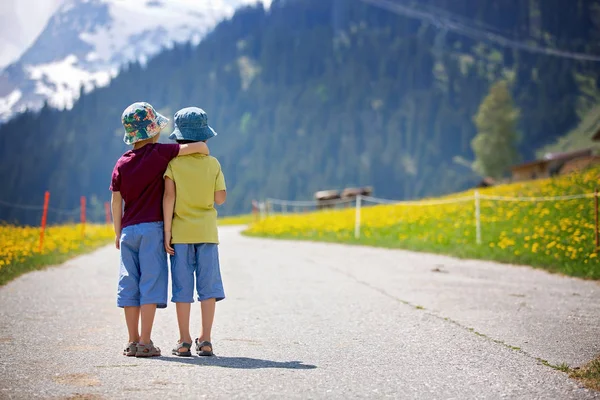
(107,212)
(44,217)
(82,215)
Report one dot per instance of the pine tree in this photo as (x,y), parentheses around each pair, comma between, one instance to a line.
(495,145)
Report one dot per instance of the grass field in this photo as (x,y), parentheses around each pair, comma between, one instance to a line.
(557,235)
(20,253)
(236,220)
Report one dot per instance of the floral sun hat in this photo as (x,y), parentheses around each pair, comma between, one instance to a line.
(191,123)
(141,122)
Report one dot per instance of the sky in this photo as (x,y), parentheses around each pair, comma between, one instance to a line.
(24,20)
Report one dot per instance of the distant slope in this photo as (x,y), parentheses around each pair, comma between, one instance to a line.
(579,138)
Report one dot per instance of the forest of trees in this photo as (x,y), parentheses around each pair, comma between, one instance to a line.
(319,94)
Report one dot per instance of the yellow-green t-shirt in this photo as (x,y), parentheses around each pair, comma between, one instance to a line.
(197,177)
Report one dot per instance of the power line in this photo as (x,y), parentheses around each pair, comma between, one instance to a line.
(459,18)
(453,24)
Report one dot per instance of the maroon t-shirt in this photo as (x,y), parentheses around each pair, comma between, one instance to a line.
(138,175)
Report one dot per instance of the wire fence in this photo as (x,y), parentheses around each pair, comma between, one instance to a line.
(78,214)
(60,214)
(277,206)
(40,208)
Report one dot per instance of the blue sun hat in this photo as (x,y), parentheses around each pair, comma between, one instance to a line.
(141,122)
(191,123)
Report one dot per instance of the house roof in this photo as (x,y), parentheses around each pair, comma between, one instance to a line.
(327,195)
(566,156)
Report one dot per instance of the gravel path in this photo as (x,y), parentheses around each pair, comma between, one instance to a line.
(306,320)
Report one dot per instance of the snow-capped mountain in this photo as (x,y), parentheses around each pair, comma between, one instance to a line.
(86,41)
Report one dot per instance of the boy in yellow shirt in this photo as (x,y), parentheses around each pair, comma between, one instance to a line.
(193,184)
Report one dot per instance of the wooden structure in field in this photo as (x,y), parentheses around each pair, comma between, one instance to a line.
(327,198)
(352,193)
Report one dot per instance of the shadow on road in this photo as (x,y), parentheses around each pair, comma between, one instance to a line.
(238,362)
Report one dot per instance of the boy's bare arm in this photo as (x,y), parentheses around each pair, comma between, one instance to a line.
(220,197)
(168,210)
(192,148)
(116,201)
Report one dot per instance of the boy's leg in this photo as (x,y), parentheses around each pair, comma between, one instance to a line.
(128,296)
(148,311)
(182,276)
(183,319)
(132,318)
(208,316)
(209,286)
(154,278)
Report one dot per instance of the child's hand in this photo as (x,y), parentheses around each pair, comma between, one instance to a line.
(118,243)
(168,248)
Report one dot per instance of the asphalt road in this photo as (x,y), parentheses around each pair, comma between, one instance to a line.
(306,320)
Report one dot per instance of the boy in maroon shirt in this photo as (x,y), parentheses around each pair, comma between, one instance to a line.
(137,180)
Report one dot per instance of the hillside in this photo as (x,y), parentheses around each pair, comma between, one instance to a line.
(318,94)
(578,138)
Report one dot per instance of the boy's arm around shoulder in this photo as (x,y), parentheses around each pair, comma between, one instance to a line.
(193,148)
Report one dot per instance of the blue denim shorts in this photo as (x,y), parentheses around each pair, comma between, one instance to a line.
(144,273)
(201,260)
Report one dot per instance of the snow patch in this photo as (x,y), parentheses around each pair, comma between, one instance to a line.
(128,30)
(8,102)
(61,81)
(91,57)
(176,20)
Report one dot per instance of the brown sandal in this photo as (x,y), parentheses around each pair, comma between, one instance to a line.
(182,353)
(204,353)
(147,350)
(130,350)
